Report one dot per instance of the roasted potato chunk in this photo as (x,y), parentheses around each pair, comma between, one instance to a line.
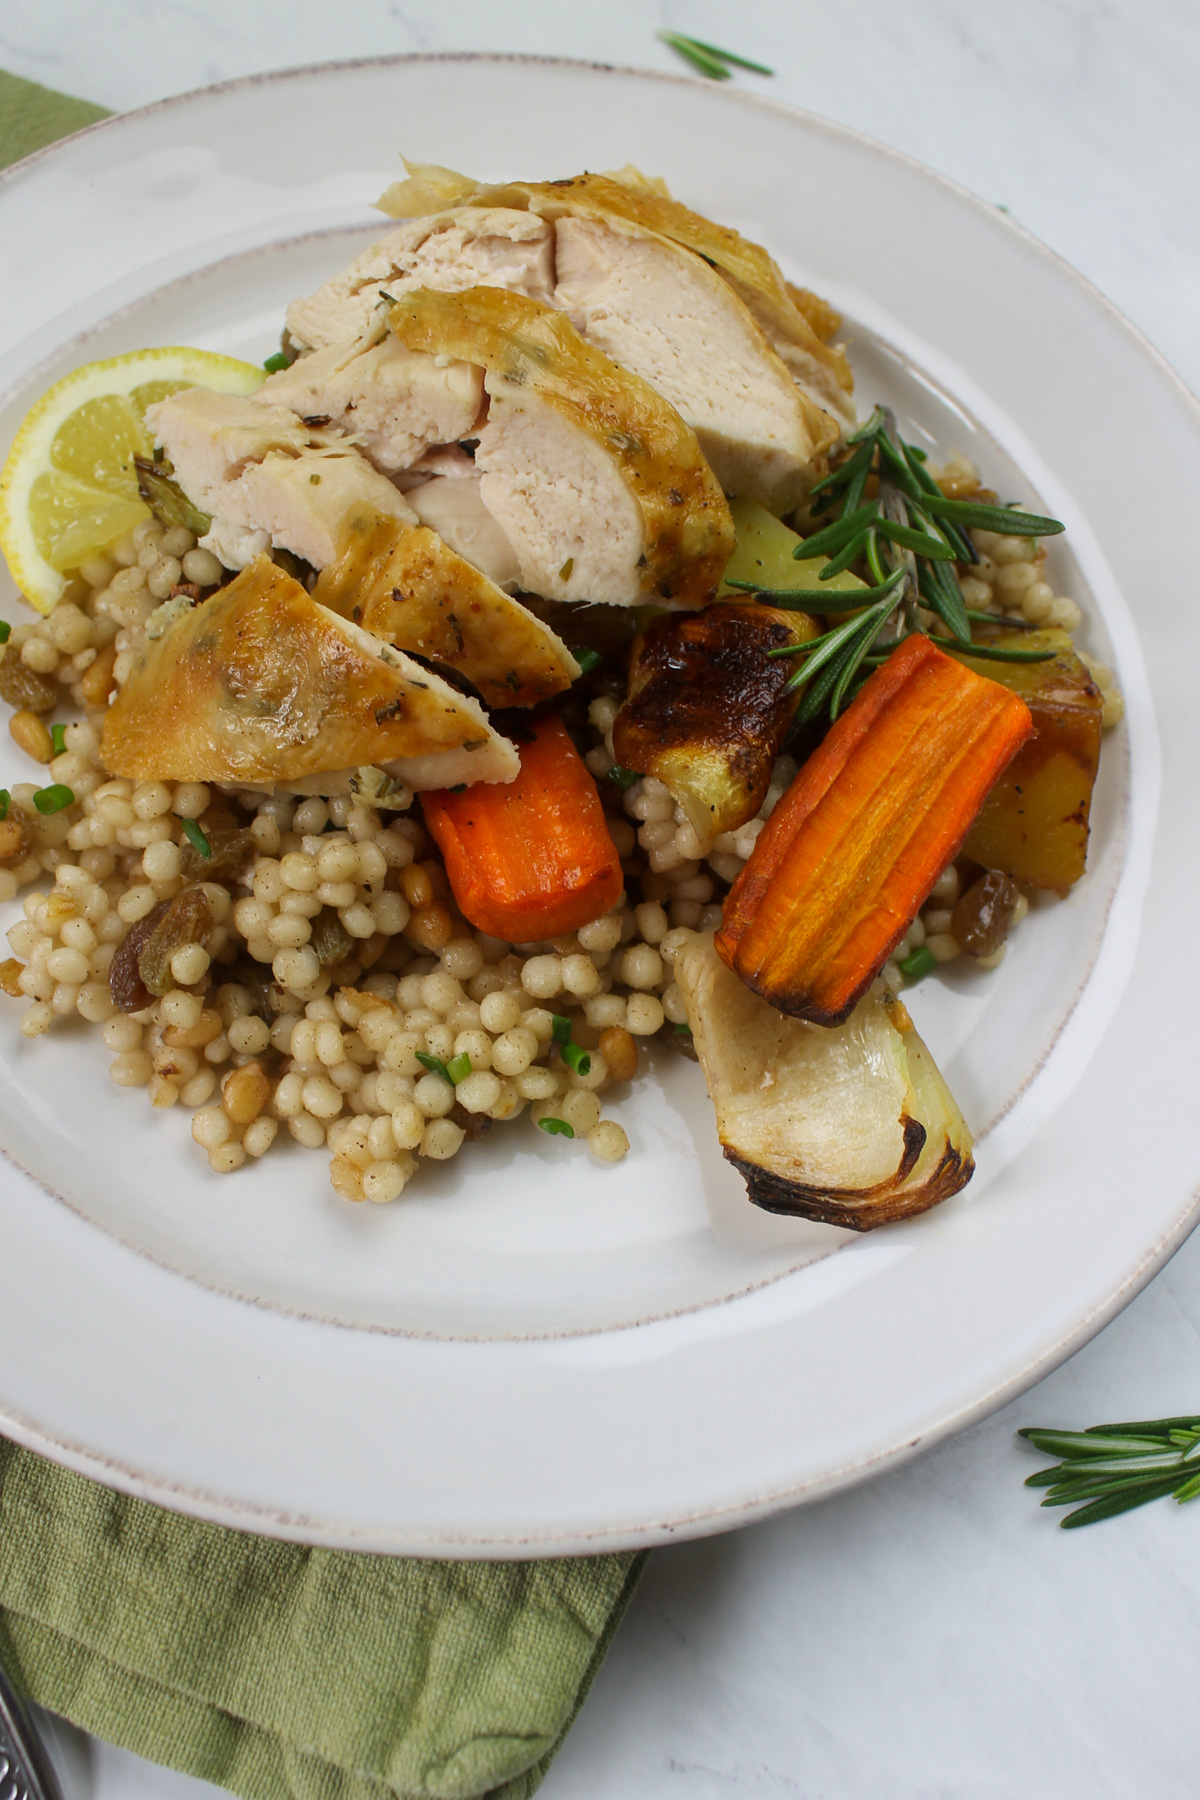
(1034,823)
(707,711)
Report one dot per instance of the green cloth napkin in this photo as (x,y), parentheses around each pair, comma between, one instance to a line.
(281,1672)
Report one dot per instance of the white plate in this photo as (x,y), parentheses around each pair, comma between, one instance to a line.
(533,1353)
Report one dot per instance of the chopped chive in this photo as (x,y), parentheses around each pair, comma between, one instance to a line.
(624,778)
(561,1029)
(58,738)
(577,1058)
(277,362)
(5,802)
(587,660)
(5,631)
(920,963)
(435,1065)
(556,1128)
(54,798)
(683,1031)
(459,1067)
(196,838)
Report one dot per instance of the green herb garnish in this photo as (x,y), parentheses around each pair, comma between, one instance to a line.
(58,738)
(572,1054)
(54,798)
(556,1128)
(710,59)
(624,778)
(910,537)
(196,838)
(1113,1468)
(683,1031)
(918,963)
(587,660)
(454,1071)
(274,364)
(5,631)
(5,803)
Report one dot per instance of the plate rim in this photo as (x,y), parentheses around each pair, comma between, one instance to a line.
(244,1515)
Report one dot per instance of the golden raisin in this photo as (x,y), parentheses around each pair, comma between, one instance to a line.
(10,976)
(619,1049)
(23,688)
(430,927)
(17,842)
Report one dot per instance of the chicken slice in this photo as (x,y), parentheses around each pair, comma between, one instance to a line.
(396,404)
(260,685)
(659,310)
(597,482)
(452,505)
(821,369)
(504,247)
(261,468)
(405,585)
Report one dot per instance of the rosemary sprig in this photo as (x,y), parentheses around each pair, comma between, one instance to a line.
(1113,1468)
(911,537)
(710,59)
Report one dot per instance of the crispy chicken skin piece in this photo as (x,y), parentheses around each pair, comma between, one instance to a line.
(403,584)
(397,405)
(821,369)
(707,711)
(506,247)
(261,685)
(597,482)
(262,468)
(663,312)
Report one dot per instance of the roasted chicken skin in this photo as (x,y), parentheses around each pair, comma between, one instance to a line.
(261,685)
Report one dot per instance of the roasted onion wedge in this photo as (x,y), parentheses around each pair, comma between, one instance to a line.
(852,1125)
(707,709)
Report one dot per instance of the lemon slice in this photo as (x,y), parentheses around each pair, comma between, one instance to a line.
(69,487)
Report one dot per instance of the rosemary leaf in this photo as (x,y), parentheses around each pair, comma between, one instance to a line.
(832,537)
(1007,521)
(940,590)
(993,652)
(730,56)
(919,542)
(849,553)
(693,53)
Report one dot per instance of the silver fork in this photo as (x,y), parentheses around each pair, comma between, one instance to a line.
(26,1772)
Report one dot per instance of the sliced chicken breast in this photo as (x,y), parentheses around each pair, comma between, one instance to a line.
(452,505)
(396,404)
(504,247)
(659,310)
(261,468)
(260,685)
(821,369)
(406,586)
(599,485)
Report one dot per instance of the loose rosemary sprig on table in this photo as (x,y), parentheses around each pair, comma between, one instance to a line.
(709,59)
(910,536)
(1113,1468)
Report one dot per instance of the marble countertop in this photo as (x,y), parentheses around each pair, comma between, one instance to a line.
(930,1636)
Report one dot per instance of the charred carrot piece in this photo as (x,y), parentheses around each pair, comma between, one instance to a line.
(865,830)
(531,858)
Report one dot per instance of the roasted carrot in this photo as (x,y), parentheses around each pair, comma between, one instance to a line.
(865,830)
(531,858)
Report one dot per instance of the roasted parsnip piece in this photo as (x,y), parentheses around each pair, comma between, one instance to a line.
(865,830)
(404,584)
(1034,823)
(708,709)
(852,1125)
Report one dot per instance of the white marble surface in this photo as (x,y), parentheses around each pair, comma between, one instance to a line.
(931,1636)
